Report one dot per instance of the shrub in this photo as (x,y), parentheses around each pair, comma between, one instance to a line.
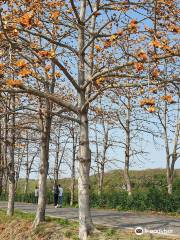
(151,199)
(30,198)
(154,198)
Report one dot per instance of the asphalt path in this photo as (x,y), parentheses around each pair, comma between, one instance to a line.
(158,223)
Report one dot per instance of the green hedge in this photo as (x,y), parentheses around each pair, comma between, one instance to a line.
(30,198)
(152,199)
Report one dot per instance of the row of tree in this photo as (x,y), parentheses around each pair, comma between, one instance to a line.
(75,70)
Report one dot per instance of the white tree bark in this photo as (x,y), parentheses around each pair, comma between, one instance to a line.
(85,221)
(11,170)
(127,150)
(73,180)
(44,157)
(1,161)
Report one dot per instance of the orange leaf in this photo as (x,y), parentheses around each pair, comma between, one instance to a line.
(147,101)
(26,19)
(58,74)
(1,73)
(33,45)
(142,102)
(107,44)
(51,54)
(168,98)
(15,32)
(47,67)
(98,48)
(166,47)
(55,14)
(37,22)
(155,43)
(21,63)
(155,73)
(43,53)
(139,66)
(143,56)
(100,80)
(174,28)
(133,26)
(153,90)
(133,23)
(25,72)
(120,33)
(1,65)
(14,83)
(151,109)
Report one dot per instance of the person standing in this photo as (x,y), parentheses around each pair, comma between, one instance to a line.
(60,195)
(36,194)
(56,194)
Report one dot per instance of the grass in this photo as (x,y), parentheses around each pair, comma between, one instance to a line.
(19,227)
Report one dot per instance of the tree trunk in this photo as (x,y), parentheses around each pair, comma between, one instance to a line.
(72,188)
(56,167)
(168,172)
(58,158)
(44,157)
(86,225)
(127,152)
(1,162)
(28,170)
(1,180)
(127,178)
(27,166)
(168,160)
(170,186)
(11,169)
(85,220)
(73,172)
(103,162)
(174,157)
(5,183)
(11,196)
(45,123)
(5,148)
(26,184)
(101,180)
